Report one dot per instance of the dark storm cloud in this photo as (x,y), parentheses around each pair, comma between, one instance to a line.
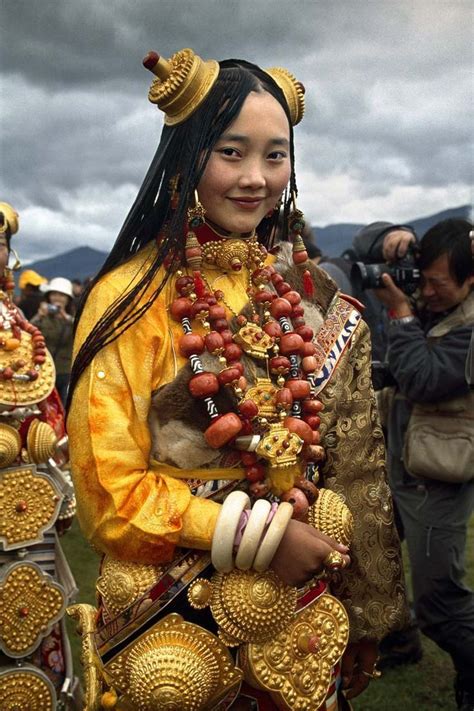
(386,135)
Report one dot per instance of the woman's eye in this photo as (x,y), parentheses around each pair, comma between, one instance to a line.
(231,152)
(277,155)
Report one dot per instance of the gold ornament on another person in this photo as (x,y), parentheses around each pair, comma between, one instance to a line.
(26,689)
(30,603)
(293,90)
(10,445)
(174,666)
(330,515)
(182,83)
(247,606)
(122,583)
(41,441)
(29,505)
(296,666)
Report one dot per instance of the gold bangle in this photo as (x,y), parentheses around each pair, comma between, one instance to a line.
(374,674)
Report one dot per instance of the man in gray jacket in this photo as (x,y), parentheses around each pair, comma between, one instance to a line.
(431,439)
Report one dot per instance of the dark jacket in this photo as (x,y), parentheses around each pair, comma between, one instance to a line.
(58,335)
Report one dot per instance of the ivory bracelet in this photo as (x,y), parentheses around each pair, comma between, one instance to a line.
(252,534)
(222,548)
(273,537)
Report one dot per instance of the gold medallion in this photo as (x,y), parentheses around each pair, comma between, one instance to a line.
(254,341)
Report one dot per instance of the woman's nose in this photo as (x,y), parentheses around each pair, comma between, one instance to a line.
(253,175)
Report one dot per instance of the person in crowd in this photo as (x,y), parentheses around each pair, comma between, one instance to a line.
(77,290)
(201,367)
(31,296)
(55,320)
(431,439)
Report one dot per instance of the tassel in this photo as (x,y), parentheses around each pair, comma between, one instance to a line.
(308,284)
(199,285)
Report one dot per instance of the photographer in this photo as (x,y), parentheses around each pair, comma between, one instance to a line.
(55,320)
(431,439)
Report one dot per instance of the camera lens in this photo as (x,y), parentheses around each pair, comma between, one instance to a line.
(368,276)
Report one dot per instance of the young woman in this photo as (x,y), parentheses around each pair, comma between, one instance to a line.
(194,424)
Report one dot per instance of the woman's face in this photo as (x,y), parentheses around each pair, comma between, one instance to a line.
(249,166)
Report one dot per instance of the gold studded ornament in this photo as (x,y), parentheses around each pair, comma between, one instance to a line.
(41,441)
(174,666)
(30,604)
(29,505)
(10,445)
(26,689)
(296,666)
(330,515)
(20,391)
(122,583)
(248,606)
(293,90)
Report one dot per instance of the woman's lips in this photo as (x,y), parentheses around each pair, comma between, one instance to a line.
(247,203)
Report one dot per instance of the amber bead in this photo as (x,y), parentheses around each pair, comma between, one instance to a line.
(273,329)
(220,324)
(298,500)
(297,311)
(184,285)
(216,312)
(293,297)
(309,364)
(236,364)
(203,385)
(191,344)
(284,397)
(306,332)
(291,344)
(302,429)
(311,406)
(255,472)
(242,383)
(248,409)
(298,321)
(39,359)
(11,344)
(300,257)
(228,375)
(227,335)
(280,307)
(222,430)
(310,490)
(32,374)
(313,421)
(259,489)
(264,297)
(299,388)
(200,308)
(248,458)
(232,351)
(283,287)
(308,349)
(181,308)
(214,341)
(280,365)
(7,373)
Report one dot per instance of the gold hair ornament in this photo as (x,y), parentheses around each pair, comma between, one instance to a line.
(10,217)
(182,83)
(292,89)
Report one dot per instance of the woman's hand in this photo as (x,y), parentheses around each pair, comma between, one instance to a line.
(358,667)
(301,553)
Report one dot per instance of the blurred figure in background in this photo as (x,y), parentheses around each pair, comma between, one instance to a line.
(30,295)
(55,319)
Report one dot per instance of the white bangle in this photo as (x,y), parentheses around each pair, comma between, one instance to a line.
(252,534)
(273,537)
(222,548)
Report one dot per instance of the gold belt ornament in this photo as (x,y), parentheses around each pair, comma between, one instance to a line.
(26,689)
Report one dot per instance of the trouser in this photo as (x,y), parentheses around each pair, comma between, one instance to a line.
(435,516)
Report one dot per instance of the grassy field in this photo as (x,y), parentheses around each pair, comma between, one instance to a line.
(426,686)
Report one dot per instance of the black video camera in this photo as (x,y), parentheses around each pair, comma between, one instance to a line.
(404,273)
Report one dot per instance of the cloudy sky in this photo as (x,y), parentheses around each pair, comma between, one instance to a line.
(387,132)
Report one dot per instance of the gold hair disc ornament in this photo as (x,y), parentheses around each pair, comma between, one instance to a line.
(182,83)
(10,218)
(293,90)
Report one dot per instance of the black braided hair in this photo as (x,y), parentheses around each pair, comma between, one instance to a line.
(183,150)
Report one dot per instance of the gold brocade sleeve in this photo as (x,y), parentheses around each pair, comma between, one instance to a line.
(127,507)
(372,588)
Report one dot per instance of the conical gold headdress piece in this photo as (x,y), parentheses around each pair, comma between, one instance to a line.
(183,82)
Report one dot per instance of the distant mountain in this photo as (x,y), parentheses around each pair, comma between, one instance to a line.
(78,263)
(84,262)
(334,239)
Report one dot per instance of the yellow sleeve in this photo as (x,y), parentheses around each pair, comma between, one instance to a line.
(126,506)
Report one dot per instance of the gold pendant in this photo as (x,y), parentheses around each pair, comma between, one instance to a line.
(254,341)
(263,394)
(279,446)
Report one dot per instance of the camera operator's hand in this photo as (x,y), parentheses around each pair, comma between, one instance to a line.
(396,244)
(42,310)
(393,298)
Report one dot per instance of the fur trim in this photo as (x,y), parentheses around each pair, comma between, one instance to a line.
(325,288)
